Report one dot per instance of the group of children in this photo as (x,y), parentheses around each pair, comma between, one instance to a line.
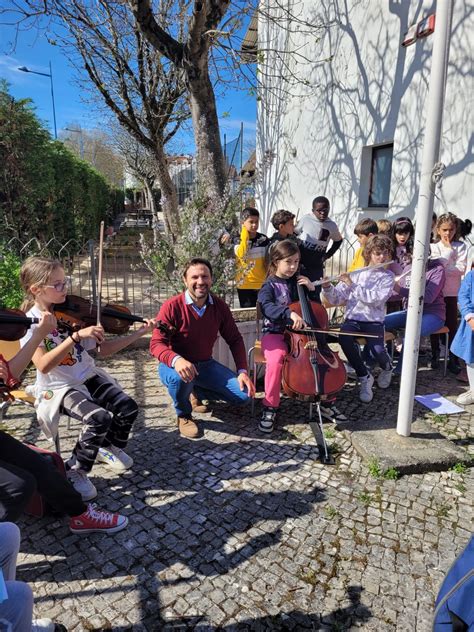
(374,292)
(375,299)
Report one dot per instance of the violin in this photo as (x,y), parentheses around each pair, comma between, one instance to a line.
(14,324)
(78,312)
(312,371)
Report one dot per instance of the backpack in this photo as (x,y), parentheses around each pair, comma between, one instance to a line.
(454,607)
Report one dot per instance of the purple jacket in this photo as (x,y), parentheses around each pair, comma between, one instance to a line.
(433,300)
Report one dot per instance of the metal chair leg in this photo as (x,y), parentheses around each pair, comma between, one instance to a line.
(446,354)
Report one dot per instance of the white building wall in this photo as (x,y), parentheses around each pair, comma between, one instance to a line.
(348,84)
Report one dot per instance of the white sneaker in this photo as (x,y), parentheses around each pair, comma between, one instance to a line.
(466,398)
(115,458)
(81,483)
(384,378)
(42,625)
(365,391)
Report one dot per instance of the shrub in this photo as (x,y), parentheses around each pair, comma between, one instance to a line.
(205,219)
(11,294)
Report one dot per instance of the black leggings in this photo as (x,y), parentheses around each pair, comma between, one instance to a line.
(107,419)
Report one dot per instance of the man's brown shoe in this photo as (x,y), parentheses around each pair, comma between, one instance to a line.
(188,428)
(198,406)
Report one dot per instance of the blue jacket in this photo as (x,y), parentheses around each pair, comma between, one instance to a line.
(463,343)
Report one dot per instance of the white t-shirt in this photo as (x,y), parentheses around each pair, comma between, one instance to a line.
(316,234)
(454,261)
(75,368)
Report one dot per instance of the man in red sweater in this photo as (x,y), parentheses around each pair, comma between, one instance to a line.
(185,356)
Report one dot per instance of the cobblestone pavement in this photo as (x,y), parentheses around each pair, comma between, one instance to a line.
(239,531)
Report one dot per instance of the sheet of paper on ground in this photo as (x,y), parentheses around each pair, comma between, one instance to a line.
(439,404)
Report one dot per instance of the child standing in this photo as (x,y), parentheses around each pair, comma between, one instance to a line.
(384,226)
(453,254)
(278,291)
(67,380)
(363,231)
(402,239)
(315,230)
(250,253)
(284,224)
(463,343)
(365,294)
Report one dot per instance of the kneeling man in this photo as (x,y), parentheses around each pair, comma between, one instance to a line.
(194,319)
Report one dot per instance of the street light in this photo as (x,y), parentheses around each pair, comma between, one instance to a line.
(50,75)
(81,140)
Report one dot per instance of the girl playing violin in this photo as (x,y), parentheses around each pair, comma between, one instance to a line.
(365,294)
(277,292)
(67,379)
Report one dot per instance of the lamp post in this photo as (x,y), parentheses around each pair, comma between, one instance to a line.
(81,140)
(50,75)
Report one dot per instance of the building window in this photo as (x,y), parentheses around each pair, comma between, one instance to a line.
(380,175)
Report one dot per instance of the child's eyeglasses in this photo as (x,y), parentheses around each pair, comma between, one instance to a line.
(60,286)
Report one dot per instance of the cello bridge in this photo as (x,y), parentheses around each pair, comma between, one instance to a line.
(311,345)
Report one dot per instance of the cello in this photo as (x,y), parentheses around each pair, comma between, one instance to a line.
(312,371)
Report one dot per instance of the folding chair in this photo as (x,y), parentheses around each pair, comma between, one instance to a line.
(256,358)
(444,331)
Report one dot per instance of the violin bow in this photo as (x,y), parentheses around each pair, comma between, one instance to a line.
(334,332)
(99,276)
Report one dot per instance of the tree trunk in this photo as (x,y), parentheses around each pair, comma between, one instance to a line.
(210,157)
(169,199)
(149,184)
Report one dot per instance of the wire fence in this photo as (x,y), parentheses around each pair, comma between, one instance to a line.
(126,279)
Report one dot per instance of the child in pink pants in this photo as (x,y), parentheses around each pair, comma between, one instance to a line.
(277,293)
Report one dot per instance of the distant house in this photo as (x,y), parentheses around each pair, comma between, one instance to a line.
(342,108)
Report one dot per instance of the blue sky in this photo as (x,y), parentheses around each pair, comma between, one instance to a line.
(35,52)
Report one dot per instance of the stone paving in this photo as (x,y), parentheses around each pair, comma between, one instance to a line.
(240,531)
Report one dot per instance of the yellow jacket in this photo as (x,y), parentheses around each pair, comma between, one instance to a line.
(358,261)
(250,255)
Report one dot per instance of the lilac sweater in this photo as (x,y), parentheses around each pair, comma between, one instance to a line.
(365,299)
(433,300)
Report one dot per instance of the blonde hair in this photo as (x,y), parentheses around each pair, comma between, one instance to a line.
(36,271)
(384,226)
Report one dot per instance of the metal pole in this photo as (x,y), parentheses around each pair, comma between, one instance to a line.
(432,137)
(52,97)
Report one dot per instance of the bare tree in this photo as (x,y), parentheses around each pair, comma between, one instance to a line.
(141,164)
(142,89)
(191,56)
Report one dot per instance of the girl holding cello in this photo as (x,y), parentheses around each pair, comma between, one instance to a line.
(365,293)
(274,297)
(67,379)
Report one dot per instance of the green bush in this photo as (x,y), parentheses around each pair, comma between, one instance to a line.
(11,294)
